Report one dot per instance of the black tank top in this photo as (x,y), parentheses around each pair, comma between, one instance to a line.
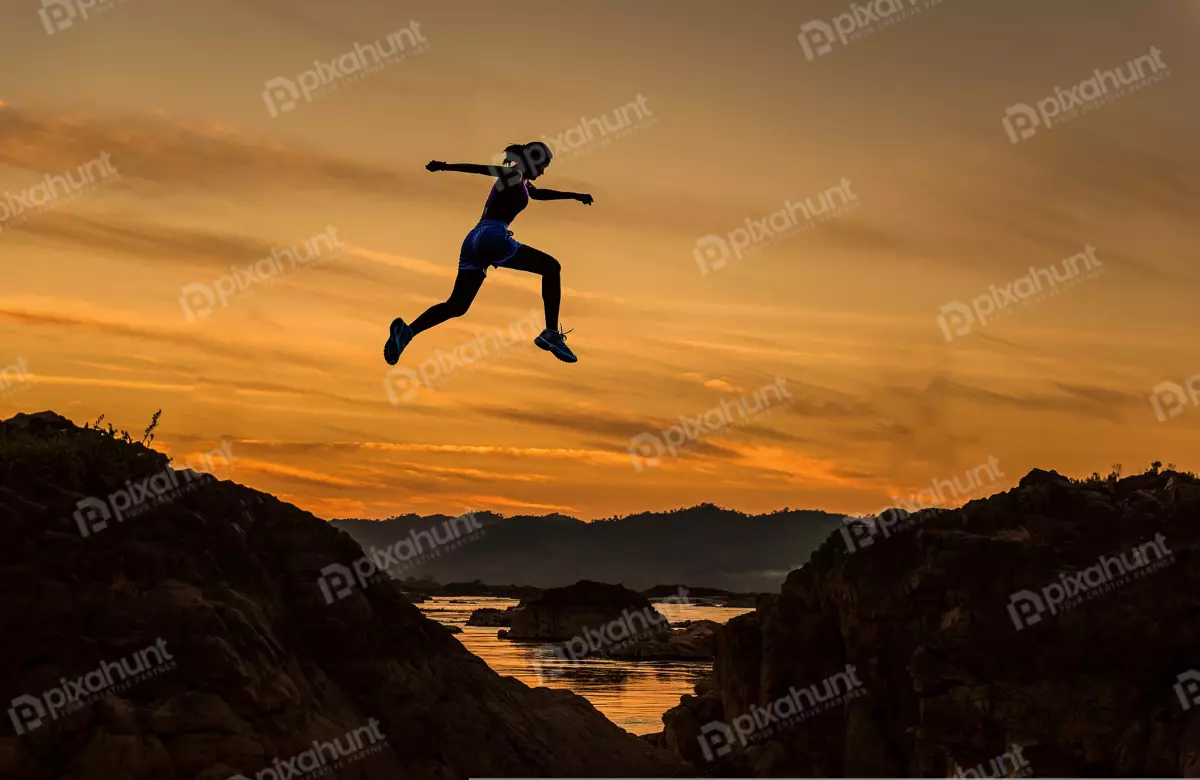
(506,201)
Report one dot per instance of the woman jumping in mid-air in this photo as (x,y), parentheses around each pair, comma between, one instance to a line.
(491,243)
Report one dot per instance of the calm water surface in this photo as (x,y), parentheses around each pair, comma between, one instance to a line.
(632,694)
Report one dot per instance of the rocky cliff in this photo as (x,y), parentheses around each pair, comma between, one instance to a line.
(1053,630)
(160,626)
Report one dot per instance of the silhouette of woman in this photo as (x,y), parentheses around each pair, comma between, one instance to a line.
(490,243)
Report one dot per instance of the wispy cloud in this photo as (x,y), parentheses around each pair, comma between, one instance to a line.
(118,325)
(302,475)
(156,148)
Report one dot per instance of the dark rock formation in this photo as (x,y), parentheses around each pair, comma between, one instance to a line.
(705,597)
(235,651)
(741,600)
(676,591)
(477,588)
(694,642)
(939,646)
(597,614)
(487,616)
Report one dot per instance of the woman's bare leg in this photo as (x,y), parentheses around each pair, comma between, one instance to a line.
(466,285)
(538,262)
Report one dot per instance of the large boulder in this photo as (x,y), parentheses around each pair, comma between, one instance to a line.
(490,616)
(219,631)
(594,614)
(1049,630)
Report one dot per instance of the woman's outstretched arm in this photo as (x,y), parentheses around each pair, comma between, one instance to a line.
(540,194)
(485,170)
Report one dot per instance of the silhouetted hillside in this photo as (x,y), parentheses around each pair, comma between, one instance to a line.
(162,625)
(701,546)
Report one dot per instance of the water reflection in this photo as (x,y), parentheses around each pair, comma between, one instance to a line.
(632,694)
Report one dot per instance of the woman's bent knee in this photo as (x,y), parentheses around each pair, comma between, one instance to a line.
(453,308)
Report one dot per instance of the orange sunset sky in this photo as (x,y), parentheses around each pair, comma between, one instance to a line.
(734,121)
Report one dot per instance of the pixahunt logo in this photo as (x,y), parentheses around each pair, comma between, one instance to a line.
(859,532)
(957,318)
(1011,763)
(796,706)
(92,514)
(111,677)
(403,384)
(1187,689)
(52,191)
(283,95)
(647,449)
(713,252)
(631,626)
(594,132)
(15,377)
(59,15)
(420,546)
(1026,608)
(818,37)
(325,758)
(200,299)
(1023,121)
(1170,400)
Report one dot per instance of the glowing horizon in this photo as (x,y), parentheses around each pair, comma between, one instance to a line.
(156,169)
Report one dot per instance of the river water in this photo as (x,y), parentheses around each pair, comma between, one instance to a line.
(632,694)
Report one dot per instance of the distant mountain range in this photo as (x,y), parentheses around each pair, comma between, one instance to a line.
(701,546)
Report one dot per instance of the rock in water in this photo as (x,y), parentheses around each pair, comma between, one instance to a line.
(206,630)
(694,642)
(490,616)
(595,614)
